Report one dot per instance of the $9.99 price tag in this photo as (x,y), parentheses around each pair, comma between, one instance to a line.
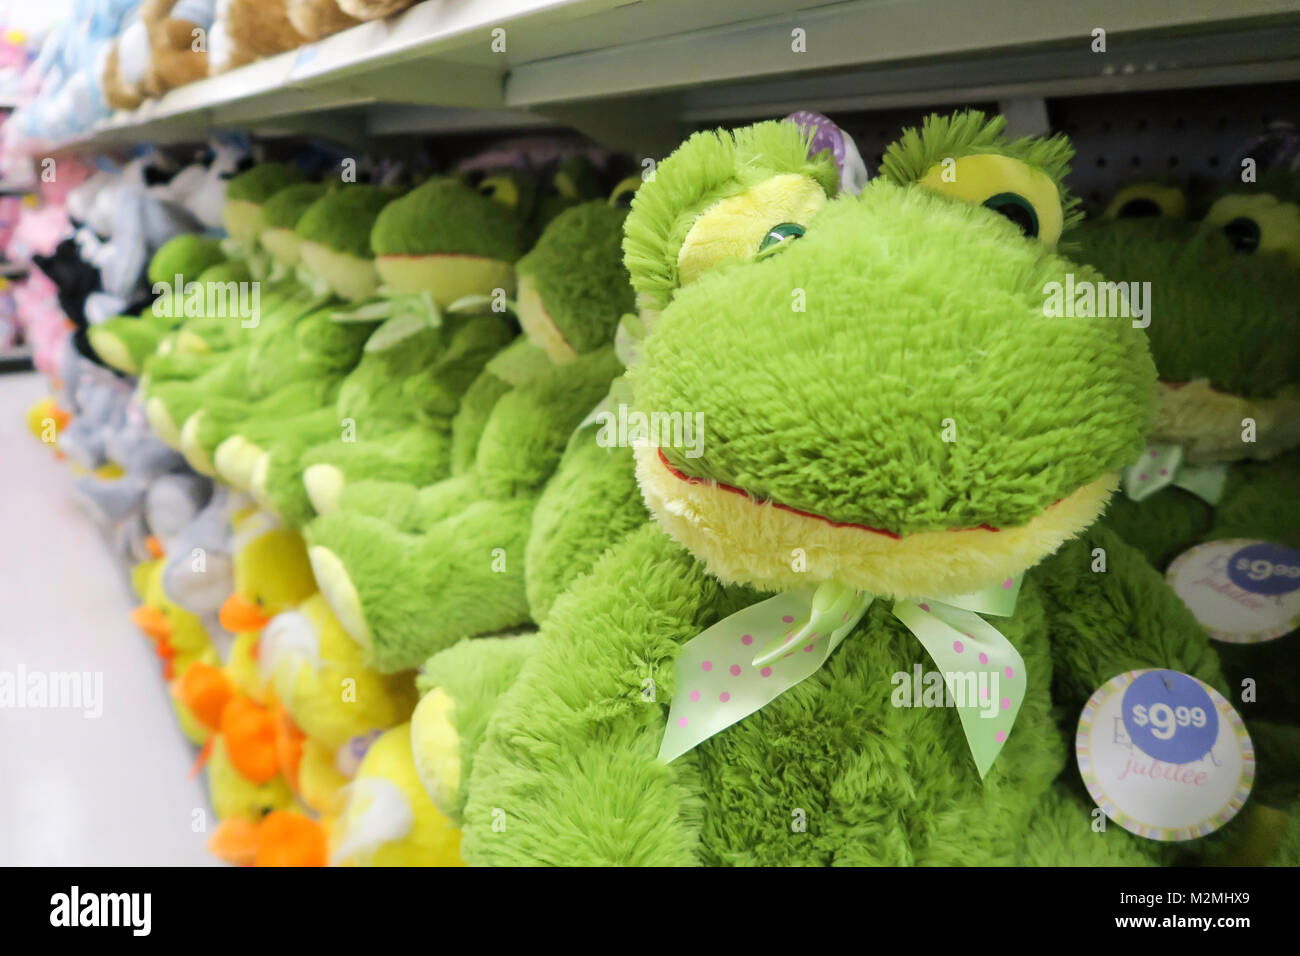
(1164,755)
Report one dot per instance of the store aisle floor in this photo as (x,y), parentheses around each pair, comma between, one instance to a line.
(76,789)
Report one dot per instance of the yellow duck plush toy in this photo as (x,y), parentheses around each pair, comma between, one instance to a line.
(388,819)
(339,704)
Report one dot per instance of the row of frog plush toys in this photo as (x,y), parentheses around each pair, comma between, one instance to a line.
(464,583)
(115,54)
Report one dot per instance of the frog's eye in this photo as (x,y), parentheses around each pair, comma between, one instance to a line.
(737,227)
(1147,201)
(1257,223)
(1016,208)
(503,189)
(621,197)
(1243,233)
(778,237)
(1005,185)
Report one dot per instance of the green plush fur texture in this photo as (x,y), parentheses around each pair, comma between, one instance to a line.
(284,209)
(1041,406)
(424,588)
(186,256)
(443,216)
(1215,313)
(707,168)
(261,182)
(579,274)
(589,504)
(342,218)
(400,403)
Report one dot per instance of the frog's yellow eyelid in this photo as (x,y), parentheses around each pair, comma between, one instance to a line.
(733,228)
(982,176)
(1257,222)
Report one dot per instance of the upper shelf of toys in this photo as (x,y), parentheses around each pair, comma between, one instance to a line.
(628,70)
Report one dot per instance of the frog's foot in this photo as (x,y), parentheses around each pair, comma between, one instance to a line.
(192,448)
(324,484)
(451,720)
(339,591)
(236,460)
(160,420)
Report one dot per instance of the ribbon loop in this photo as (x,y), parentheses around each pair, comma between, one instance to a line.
(720,680)
(1162,465)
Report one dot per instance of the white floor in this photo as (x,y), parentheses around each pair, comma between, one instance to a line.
(75,789)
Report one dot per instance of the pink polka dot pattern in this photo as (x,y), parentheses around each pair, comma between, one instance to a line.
(724,697)
(1000,736)
(747,639)
(787,619)
(958,646)
(766,672)
(735,670)
(695,695)
(707,666)
(984,658)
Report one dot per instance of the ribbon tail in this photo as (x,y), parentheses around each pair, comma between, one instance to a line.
(1155,469)
(982,670)
(716,683)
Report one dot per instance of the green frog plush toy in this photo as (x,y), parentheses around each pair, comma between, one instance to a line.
(411,569)
(390,419)
(889,418)
(299,364)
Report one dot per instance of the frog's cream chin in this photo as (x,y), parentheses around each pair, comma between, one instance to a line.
(1208,423)
(776,548)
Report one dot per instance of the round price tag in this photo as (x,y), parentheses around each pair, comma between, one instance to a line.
(1164,755)
(1241,591)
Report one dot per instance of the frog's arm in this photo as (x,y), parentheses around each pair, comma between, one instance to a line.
(472,417)
(530,425)
(568,773)
(589,504)
(408,596)
(1103,623)
(461,687)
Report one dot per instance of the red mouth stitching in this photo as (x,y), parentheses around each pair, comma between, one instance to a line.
(691,479)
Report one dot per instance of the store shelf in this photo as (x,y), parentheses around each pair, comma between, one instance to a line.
(673,61)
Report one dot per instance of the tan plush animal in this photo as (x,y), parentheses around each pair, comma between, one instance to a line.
(318,18)
(178,42)
(372,9)
(247,30)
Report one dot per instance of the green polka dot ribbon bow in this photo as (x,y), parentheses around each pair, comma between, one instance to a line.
(1162,465)
(747,660)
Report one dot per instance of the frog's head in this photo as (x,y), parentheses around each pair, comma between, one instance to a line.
(573,286)
(449,240)
(245,194)
(882,400)
(280,216)
(1260,217)
(334,239)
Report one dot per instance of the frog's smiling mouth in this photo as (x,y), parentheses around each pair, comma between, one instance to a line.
(773,546)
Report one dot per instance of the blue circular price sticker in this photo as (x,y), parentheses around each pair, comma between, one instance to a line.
(1170,717)
(1242,591)
(1265,568)
(1164,755)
